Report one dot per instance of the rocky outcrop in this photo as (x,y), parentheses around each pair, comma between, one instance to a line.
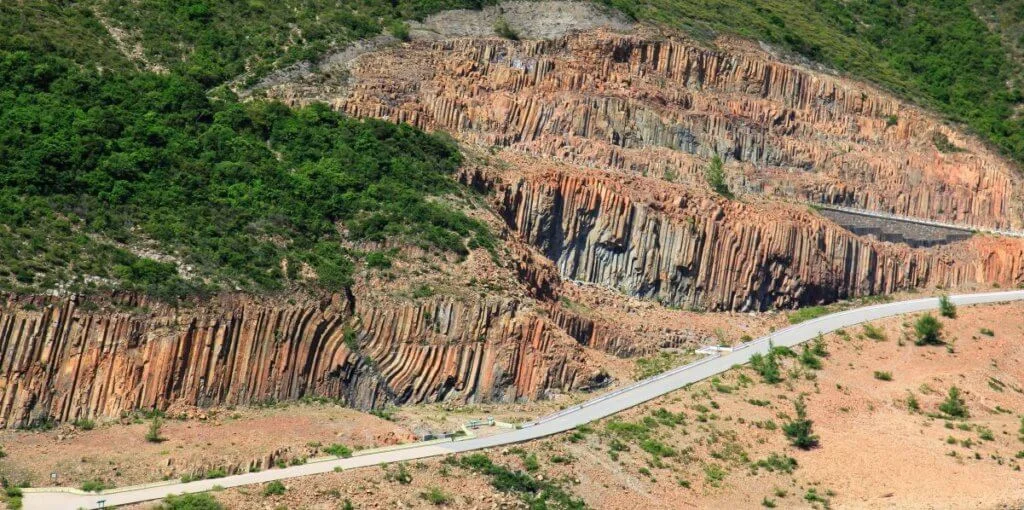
(692,250)
(61,362)
(645,105)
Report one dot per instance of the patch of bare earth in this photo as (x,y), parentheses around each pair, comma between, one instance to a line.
(119,454)
(712,444)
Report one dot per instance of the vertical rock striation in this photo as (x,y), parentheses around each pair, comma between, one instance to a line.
(64,363)
(651,106)
(693,250)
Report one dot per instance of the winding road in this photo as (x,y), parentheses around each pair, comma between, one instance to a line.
(566,419)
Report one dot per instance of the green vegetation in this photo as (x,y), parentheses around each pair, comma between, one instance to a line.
(954,405)
(153,432)
(400,474)
(84,424)
(807,313)
(767,366)
(883,376)
(935,52)
(987,332)
(503,29)
(715,176)
(799,430)
(946,307)
(928,330)
(538,494)
(874,333)
(274,488)
(776,462)
(809,359)
(435,496)
(200,501)
(714,474)
(650,367)
(338,450)
(93,485)
(99,161)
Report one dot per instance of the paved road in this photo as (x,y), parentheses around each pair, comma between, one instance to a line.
(566,419)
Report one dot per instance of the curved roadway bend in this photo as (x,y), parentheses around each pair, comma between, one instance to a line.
(566,419)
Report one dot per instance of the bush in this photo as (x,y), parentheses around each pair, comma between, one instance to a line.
(274,488)
(199,501)
(808,359)
(767,366)
(436,496)
(93,486)
(987,332)
(399,29)
(874,333)
(954,405)
(715,175)
(503,29)
(338,450)
(928,330)
(799,431)
(84,424)
(883,376)
(153,432)
(946,307)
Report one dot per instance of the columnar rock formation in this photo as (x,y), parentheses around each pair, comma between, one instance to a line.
(664,107)
(64,363)
(696,250)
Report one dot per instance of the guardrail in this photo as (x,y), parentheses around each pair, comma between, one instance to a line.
(920,221)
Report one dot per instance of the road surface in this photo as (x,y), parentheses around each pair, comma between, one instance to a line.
(566,419)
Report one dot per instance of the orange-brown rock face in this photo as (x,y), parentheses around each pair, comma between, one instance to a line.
(665,107)
(688,249)
(63,363)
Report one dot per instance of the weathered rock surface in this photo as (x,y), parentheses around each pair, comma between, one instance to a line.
(646,105)
(64,363)
(686,249)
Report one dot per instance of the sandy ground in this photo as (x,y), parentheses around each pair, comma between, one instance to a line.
(119,454)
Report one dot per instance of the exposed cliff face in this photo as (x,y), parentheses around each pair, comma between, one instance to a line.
(689,249)
(665,107)
(65,363)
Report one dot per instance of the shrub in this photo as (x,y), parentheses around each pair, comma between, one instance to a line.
(153,432)
(987,332)
(530,462)
(503,29)
(928,330)
(799,431)
(874,333)
(200,501)
(338,450)
(818,347)
(715,175)
(946,307)
(400,474)
(274,488)
(776,462)
(954,405)
(435,496)
(399,29)
(84,424)
(93,486)
(808,359)
(767,366)
(883,376)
